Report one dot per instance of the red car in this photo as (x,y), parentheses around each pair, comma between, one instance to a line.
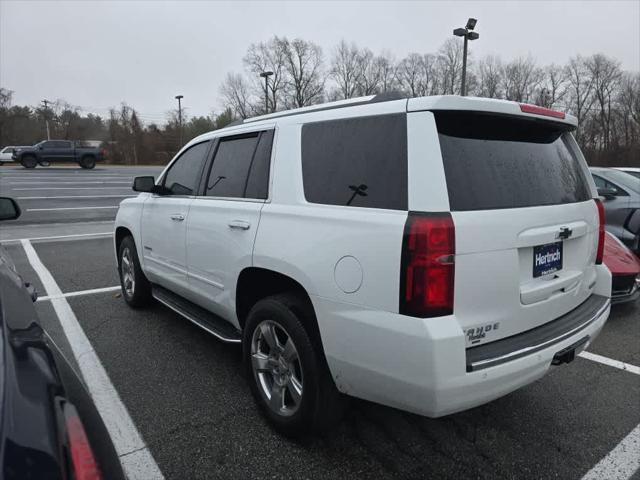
(625,270)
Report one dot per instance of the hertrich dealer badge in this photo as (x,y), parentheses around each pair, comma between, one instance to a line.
(474,335)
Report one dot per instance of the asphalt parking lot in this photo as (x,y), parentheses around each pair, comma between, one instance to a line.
(187,397)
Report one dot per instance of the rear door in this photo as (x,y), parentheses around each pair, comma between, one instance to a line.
(525,221)
(65,150)
(223,220)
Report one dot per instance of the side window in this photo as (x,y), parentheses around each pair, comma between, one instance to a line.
(184,175)
(49,145)
(361,162)
(258,180)
(600,182)
(241,166)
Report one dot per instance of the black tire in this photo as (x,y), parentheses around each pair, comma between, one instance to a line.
(1,163)
(137,294)
(88,162)
(29,161)
(320,406)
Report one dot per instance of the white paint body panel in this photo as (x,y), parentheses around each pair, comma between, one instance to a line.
(217,253)
(372,351)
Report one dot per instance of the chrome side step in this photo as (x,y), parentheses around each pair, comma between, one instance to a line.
(204,319)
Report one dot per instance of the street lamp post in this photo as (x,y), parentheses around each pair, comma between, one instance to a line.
(179,98)
(468,34)
(266,76)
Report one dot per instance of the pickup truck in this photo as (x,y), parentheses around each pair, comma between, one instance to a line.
(49,151)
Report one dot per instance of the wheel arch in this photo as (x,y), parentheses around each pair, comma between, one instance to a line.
(256,283)
(120,234)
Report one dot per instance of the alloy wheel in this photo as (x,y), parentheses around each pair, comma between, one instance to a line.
(128,274)
(276,368)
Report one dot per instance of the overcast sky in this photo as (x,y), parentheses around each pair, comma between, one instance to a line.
(98,54)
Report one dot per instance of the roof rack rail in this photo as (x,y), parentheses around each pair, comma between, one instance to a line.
(351,102)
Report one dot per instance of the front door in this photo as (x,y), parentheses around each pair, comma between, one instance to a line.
(165,217)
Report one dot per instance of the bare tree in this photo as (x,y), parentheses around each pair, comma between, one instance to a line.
(235,91)
(521,78)
(409,74)
(489,77)
(267,56)
(629,107)
(449,66)
(344,69)
(368,74)
(305,78)
(553,86)
(387,68)
(605,73)
(580,89)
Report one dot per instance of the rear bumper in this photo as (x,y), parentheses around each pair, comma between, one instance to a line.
(422,365)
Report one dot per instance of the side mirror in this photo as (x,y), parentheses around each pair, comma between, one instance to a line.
(143,184)
(9,209)
(607,193)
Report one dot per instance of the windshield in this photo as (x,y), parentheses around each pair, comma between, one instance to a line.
(493,161)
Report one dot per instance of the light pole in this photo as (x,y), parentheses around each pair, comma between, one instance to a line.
(179,98)
(468,34)
(266,76)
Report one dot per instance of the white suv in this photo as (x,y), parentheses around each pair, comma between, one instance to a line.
(430,254)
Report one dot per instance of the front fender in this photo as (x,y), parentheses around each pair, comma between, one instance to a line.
(129,216)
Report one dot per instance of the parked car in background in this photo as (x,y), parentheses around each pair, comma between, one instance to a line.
(625,270)
(430,254)
(56,151)
(630,170)
(6,154)
(620,194)
(49,426)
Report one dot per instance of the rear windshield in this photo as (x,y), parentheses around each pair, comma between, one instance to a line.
(496,162)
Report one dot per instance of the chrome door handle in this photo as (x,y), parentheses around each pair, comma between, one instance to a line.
(178,217)
(239,224)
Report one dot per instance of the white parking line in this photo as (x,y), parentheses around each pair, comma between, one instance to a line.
(621,462)
(68,183)
(62,177)
(612,363)
(124,434)
(80,292)
(72,188)
(57,237)
(76,196)
(66,208)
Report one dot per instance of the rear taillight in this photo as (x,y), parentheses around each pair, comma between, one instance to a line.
(536,110)
(83,462)
(427,265)
(600,250)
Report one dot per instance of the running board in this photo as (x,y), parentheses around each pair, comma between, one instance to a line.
(206,320)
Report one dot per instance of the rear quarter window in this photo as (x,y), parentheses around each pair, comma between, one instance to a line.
(360,162)
(494,162)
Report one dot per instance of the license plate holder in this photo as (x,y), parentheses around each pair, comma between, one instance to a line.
(547,259)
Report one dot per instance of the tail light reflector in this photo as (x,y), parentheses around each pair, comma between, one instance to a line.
(427,265)
(83,462)
(536,110)
(600,250)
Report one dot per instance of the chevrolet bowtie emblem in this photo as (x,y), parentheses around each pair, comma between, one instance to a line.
(564,233)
